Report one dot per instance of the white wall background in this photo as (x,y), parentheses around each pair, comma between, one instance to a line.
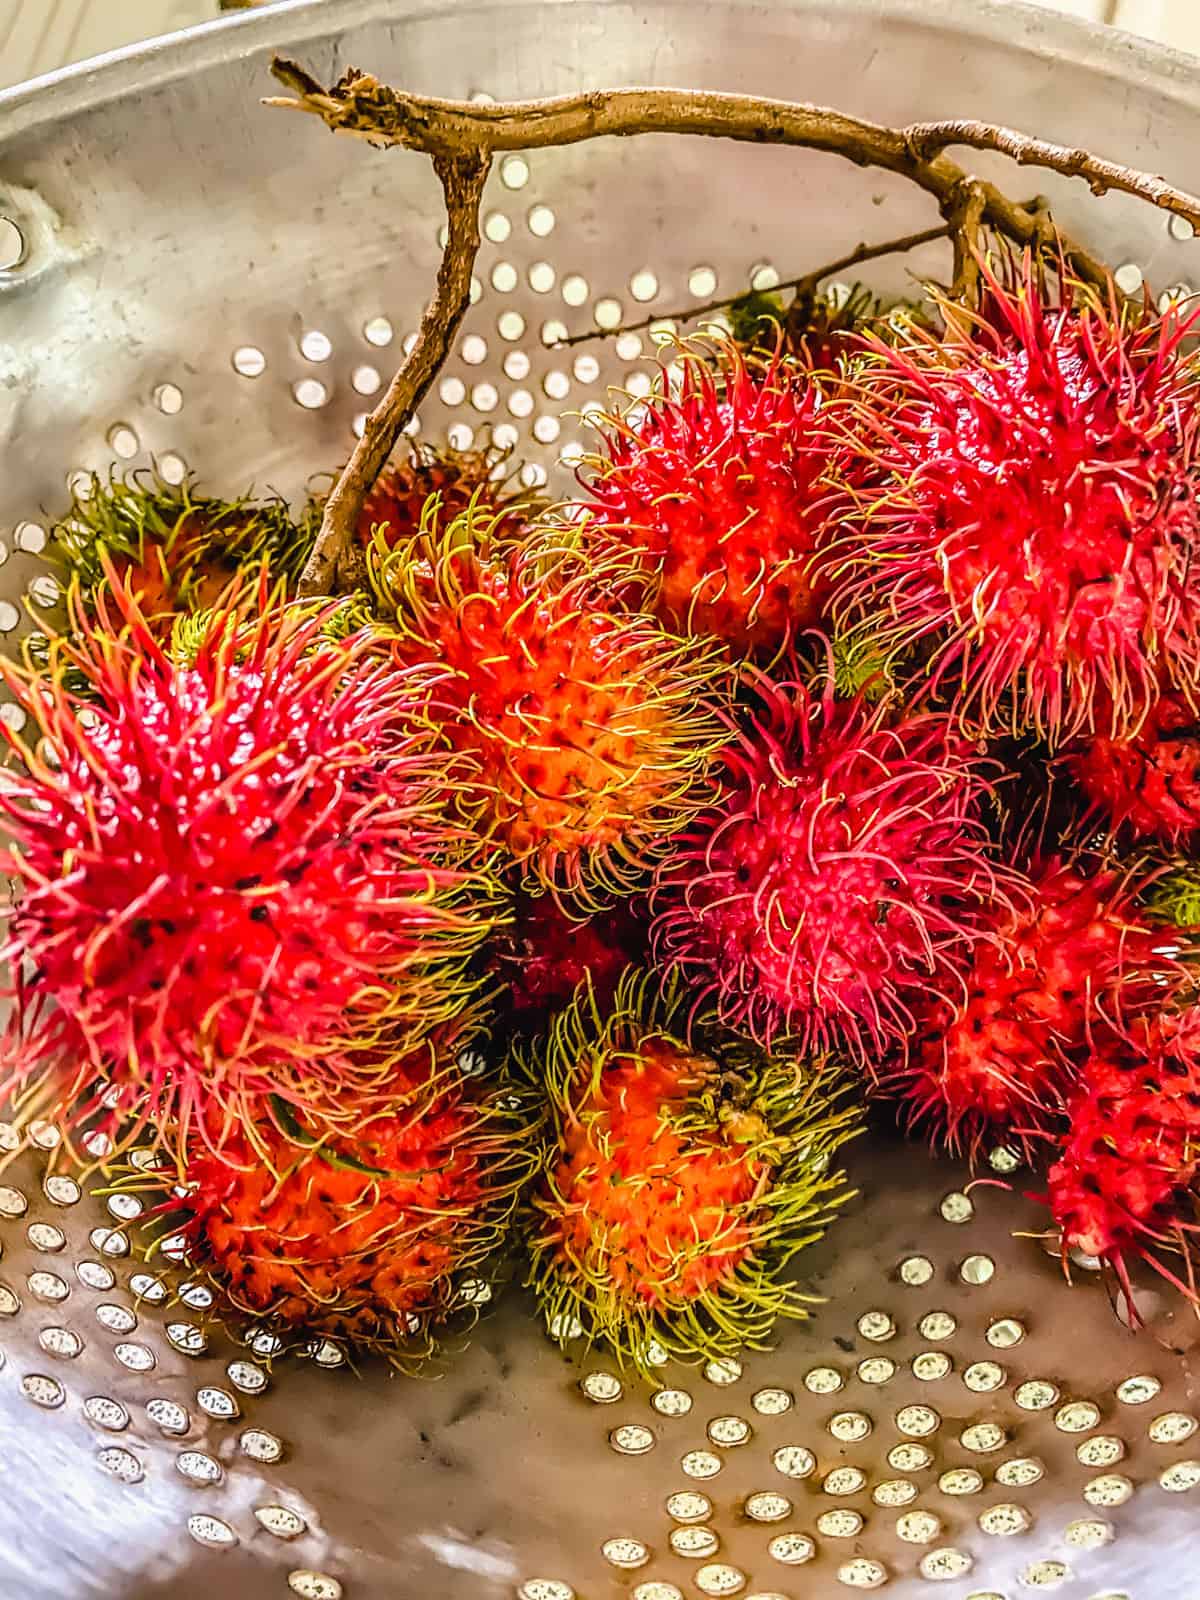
(38,35)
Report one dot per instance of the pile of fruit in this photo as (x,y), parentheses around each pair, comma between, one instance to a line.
(559,902)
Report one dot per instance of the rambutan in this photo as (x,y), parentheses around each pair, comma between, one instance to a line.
(544,954)
(1024,488)
(1147,782)
(1119,1189)
(681,1180)
(998,1055)
(174,549)
(591,728)
(715,484)
(832,883)
(397,502)
(227,870)
(380,1238)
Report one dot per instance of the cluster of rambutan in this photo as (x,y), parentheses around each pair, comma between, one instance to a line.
(584,873)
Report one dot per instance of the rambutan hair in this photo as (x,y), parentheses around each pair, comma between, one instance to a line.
(833,882)
(396,507)
(228,871)
(715,485)
(681,1179)
(172,547)
(1147,783)
(1070,955)
(387,1238)
(592,729)
(1121,1188)
(543,955)
(1024,490)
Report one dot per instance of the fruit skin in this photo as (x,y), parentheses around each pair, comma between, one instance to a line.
(235,869)
(1024,488)
(997,1058)
(681,1179)
(717,489)
(173,548)
(592,730)
(1119,1189)
(381,1238)
(831,885)
(1148,783)
(396,506)
(545,953)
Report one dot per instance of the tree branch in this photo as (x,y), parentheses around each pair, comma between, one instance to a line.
(463,179)
(928,140)
(806,284)
(462,138)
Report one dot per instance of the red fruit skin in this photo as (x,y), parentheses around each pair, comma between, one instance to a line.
(547,954)
(1147,783)
(1026,500)
(235,868)
(1132,1148)
(997,1059)
(718,490)
(833,883)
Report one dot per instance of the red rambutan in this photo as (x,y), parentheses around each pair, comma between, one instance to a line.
(832,883)
(679,1184)
(458,478)
(1148,781)
(227,870)
(998,1055)
(545,954)
(1132,1151)
(715,486)
(592,729)
(1024,490)
(379,1237)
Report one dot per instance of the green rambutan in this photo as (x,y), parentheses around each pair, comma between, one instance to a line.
(683,1176)
(227,870)
(591,729)
(174,549)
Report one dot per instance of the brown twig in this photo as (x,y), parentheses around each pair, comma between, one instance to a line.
(463,137)
(463,179)
(806,283)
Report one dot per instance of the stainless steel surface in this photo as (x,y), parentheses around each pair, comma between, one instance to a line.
(175,240)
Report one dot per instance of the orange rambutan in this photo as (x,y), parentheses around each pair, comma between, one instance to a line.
(682,1177)
(591,729)
(381,1238)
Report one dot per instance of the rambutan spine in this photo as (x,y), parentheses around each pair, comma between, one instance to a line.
(229,871)
(592,730)
(714,485)
(831,884)
(1022,498)
(682,1175)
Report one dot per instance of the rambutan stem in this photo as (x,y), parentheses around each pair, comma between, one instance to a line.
(805,284)
(462,177)
(462,137)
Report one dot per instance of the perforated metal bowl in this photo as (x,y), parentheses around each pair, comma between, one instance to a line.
(221,289)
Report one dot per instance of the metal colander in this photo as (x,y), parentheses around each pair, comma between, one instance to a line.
(201,284)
